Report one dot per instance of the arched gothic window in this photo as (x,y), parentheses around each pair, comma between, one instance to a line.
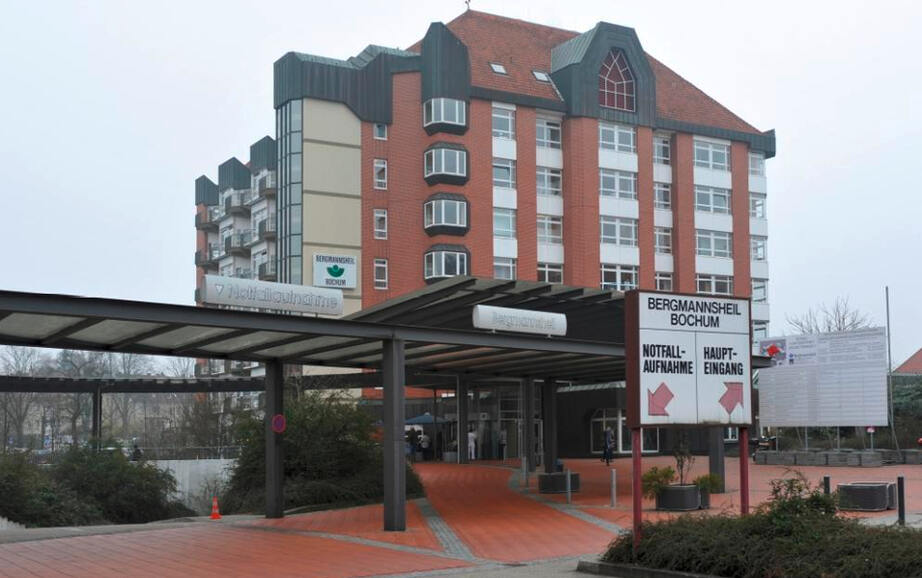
(616,82)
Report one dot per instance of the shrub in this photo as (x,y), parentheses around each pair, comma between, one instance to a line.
(655,479)
(796,534)
(330,458)
(710,483)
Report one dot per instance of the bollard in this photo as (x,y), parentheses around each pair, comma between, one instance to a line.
(614,495)
(826,485)
(568,485)
(901,499)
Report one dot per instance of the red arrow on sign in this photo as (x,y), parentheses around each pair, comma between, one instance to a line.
(658,400)
(733,396)
(773,350)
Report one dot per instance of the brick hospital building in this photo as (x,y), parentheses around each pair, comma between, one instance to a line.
(498,148)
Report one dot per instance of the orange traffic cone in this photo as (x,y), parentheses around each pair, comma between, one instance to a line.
(215,514)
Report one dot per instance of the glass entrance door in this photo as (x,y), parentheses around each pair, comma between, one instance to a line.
(616,419)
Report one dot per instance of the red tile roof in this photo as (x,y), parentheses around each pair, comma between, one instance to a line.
(912,366)
(523,46)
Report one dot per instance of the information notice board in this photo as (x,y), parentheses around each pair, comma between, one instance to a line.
(825,379)
(688,359)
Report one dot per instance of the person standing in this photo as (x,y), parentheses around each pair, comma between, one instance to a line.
(424,445)
(609,446)
(471,443)
(502,444)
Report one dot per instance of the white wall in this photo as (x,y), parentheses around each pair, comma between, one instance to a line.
(192,474)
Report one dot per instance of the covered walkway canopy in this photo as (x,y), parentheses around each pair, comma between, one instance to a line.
(429,331)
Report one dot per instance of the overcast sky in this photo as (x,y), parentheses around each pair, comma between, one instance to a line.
(110,110)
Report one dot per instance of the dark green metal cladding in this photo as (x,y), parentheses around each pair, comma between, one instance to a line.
(363,83)
(575,70)
(233,174)
(446,65)
(206,192)
(263,154)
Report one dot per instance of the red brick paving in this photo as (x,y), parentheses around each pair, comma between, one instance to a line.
(500,524)
(362,522)
(208,550)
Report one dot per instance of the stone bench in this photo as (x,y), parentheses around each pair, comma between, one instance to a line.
(867,496)
(556,483)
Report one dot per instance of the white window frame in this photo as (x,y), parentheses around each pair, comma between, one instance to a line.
(380,273)
(617,137)
(544,132)
(498,68)
(506,266)
(757,205)
(713,243)
(663,281)
(434,213)
(709,284)
(506,164)
(547,271)
(434,162)
(758,248)
(547,224)
(625,277)
(380,215)
(759,330)
(707,155)
(545,178)
(434,111)
(757,164)
(507,220)
(618,231)
(541,76)
(506,115)
(380,167)
(731,433)
(662,196)
(662,240)
(374,131)
(434,264)
(759,290)
(662,143)
(618,180)
(705,197)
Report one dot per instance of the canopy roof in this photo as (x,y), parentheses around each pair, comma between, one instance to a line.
(435,322)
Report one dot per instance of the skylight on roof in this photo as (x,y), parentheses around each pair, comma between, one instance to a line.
(541,75)
(498,68)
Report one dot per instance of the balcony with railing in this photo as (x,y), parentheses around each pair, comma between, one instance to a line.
(238,244)
(267,271)
(242,273)
(207,220)
(238,203)
(211,367)
(267,185)
(266,229)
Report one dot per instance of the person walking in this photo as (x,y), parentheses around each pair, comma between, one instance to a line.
(471,443)
(502,444)
(424,445)
(609,446)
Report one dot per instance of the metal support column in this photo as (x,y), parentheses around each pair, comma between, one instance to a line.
(529,423)
(716,455)
(744,470)
(549,423)
(275,471)
(395,489)
(461,399)
(96,421)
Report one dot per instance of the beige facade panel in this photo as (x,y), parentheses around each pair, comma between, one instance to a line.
(332,169)
(308,251)
(331,220)
(331,122)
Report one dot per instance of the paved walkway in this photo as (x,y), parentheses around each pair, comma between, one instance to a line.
(475,520)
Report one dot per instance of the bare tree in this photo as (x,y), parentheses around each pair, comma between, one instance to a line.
(17,406)
(181,367)
(840,316)
(79,364)
(125,405)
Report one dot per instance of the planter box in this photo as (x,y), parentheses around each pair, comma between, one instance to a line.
(677,498)
(556,483)
(913,457)
(450,457)
(705,499)
(891,456)
(837,458)
(871,459)
(810,458)
(867,496)
(853,459)
(761,458)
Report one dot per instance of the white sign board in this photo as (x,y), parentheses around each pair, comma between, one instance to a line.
(519,320)
(690,360)
(335,271)
(825,379)
(277,296)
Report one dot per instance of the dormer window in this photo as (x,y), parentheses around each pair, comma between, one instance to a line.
(541,76)
(616,82)
(498,68)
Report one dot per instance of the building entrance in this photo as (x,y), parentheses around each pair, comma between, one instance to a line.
(616,419)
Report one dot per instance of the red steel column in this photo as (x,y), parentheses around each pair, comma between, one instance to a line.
(744,470)
(635,487)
